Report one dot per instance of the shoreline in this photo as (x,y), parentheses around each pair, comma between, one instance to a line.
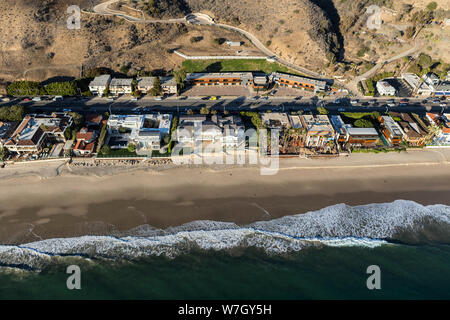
(45,201)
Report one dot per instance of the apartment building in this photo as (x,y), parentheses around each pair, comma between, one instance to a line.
(385,89)
(220,78)
(120,86)
(145,84)
(100,84)
(412,80)
(292,81)
(168,84)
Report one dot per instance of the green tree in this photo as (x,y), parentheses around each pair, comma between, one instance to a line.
(105,149)
(425,61)
(322,110)
(180,77)
(131,147)
(66,88)
(363,123)
(432,6)
(25,88)
(12,113)
(166,138)
(156,90)
(101,138)
(204,110)
(124,69)
(3,153)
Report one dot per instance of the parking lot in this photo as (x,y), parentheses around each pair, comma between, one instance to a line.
(291,92)
(403,90)
(196,91)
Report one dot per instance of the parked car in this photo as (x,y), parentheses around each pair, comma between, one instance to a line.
(26,100)
(134,99)
(443,104)
(36,99)
(158,98)
(213,98)
(391,104)
(58,98)
(404,101)
(354,102)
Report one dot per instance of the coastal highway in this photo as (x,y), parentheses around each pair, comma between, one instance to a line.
(149,104)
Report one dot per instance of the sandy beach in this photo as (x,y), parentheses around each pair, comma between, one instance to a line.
(55,199)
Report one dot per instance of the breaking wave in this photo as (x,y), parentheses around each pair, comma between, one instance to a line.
(339,225)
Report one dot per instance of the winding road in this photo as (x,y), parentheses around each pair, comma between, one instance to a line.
(203,19)
(353,84)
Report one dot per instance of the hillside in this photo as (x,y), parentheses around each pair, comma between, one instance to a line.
(37,45)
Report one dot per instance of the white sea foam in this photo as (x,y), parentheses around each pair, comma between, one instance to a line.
(338,225)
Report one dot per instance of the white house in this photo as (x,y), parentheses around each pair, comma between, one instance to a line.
(385,89)
(224,131)
(144,131)
(100,84)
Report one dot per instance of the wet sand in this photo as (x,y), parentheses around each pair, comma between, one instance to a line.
(34,207)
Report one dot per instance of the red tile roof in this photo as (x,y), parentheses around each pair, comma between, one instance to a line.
(85,136)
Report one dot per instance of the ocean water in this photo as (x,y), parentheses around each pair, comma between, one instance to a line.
(316,255)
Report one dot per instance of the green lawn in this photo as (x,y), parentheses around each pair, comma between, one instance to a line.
(118,153)
(228,65)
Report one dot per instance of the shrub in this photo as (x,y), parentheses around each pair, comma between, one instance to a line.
(322,110)
(432,6)
(66,88)
(25,88)
(363,123)
(12,113)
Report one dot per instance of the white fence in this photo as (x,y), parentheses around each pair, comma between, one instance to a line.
(217,57)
